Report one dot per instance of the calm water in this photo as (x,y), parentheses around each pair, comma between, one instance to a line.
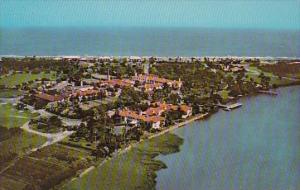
(149,41)
(254,147)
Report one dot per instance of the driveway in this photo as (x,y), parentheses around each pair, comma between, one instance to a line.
(51,137)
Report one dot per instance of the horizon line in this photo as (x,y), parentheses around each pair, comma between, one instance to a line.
(154,26)
(196,56)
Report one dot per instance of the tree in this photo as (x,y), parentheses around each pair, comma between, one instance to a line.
(130,71)
(151,60)
(174,98)
(82,130)
(235,90)
(36,71)
(172,116)
(136,83)
(130,97)
(124,60)
(90,127)
(153,70)
(54,121)
(265,80)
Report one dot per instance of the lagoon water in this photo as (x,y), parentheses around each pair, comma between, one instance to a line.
(255,147)
(151,41)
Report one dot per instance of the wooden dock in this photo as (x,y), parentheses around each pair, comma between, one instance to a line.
(230,107)
(273,93)
(233,106)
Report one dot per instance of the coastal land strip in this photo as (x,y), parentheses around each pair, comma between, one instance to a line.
(133,164)
(133,167)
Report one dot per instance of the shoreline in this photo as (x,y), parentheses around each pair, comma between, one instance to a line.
(215,122)
(264,58)
(128,148)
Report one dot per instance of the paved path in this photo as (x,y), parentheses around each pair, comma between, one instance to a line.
(66,121)
(51,137)
(42,112)
(10,100)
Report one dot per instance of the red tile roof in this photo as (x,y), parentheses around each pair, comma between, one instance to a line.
(154,111)
(168,107)
(134,115)
(48,97)
(122,83)
(185,108)
(153,119)
(156,79)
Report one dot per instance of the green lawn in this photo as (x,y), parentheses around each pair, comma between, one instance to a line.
(274,79)
(132,170)
(253,68)
(19,78)
(294,75)
(9,93)
(277,81)
(15,142)
(46,129)
(11,117)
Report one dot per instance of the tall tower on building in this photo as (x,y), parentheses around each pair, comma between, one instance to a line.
(146,68)
(108,75)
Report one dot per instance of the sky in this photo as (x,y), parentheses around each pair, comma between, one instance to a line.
(265,14)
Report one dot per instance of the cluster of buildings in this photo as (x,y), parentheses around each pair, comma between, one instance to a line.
(61,93)
(65,91)
(133,59)
(152,80)
(232,67)
(147,83)
(152,117)
(157,59)
(143,59)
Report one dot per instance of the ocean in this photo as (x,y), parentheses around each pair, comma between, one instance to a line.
(152,41)
(255,147)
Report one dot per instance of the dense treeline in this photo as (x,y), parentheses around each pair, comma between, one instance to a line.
(203,82)
(33,64)
(281,69)
(194,75)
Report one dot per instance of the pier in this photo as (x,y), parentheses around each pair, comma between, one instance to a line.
(268,92)
(230,107)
